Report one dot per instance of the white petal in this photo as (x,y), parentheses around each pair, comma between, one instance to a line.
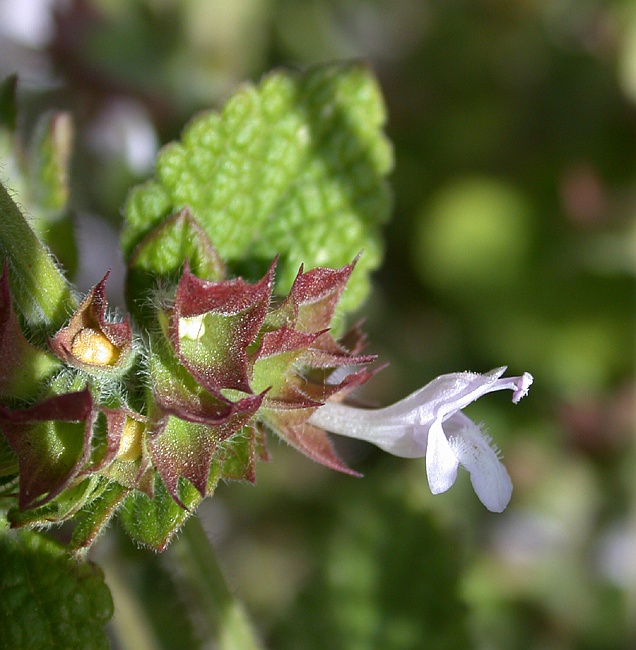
(441,461)
(487,474)
(389,434)
(444,395)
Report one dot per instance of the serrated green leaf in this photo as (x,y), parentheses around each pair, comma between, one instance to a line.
(294,167)
(161,255)
(49,601)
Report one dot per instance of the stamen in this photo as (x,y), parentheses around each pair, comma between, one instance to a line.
(525,381)
(518,385)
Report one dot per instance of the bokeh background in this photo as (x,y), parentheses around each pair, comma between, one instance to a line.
(513,241)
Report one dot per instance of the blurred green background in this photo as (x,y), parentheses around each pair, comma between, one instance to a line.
(513,241)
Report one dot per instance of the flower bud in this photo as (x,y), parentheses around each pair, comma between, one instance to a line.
(131,438)
(92,343)
(92,347)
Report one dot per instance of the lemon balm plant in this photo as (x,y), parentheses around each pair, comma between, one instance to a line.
(245,253)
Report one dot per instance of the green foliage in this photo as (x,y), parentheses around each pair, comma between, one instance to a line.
(387,577)
(153,522)
(62,507)
(160,256)
(48,600)
(25,368)
(294,167)
(532,265)
(37,172)
(93,518)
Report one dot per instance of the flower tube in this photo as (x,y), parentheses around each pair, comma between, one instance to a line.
(429,422)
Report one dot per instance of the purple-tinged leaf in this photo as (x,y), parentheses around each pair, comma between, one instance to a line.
(186,449)
(316,294)
(95,516)
(306,438)
(229,316)
(284,340)
(52,442)
(176,392)
(336,391)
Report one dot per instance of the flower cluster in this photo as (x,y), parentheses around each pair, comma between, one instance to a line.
(224,363)
(228,360)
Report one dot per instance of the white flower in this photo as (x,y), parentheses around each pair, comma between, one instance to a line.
(429,422)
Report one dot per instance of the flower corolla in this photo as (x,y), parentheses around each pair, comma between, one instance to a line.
(430,423)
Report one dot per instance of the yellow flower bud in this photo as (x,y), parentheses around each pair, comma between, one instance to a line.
(130,443)
(92,346)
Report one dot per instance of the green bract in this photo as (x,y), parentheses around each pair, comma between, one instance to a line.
(294,166)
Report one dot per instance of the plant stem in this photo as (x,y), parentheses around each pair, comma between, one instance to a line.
(40,290)
(225,615)
(130,623)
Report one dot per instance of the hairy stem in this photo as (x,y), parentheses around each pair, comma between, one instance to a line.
(40,290)
(130,623)
(224,614)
